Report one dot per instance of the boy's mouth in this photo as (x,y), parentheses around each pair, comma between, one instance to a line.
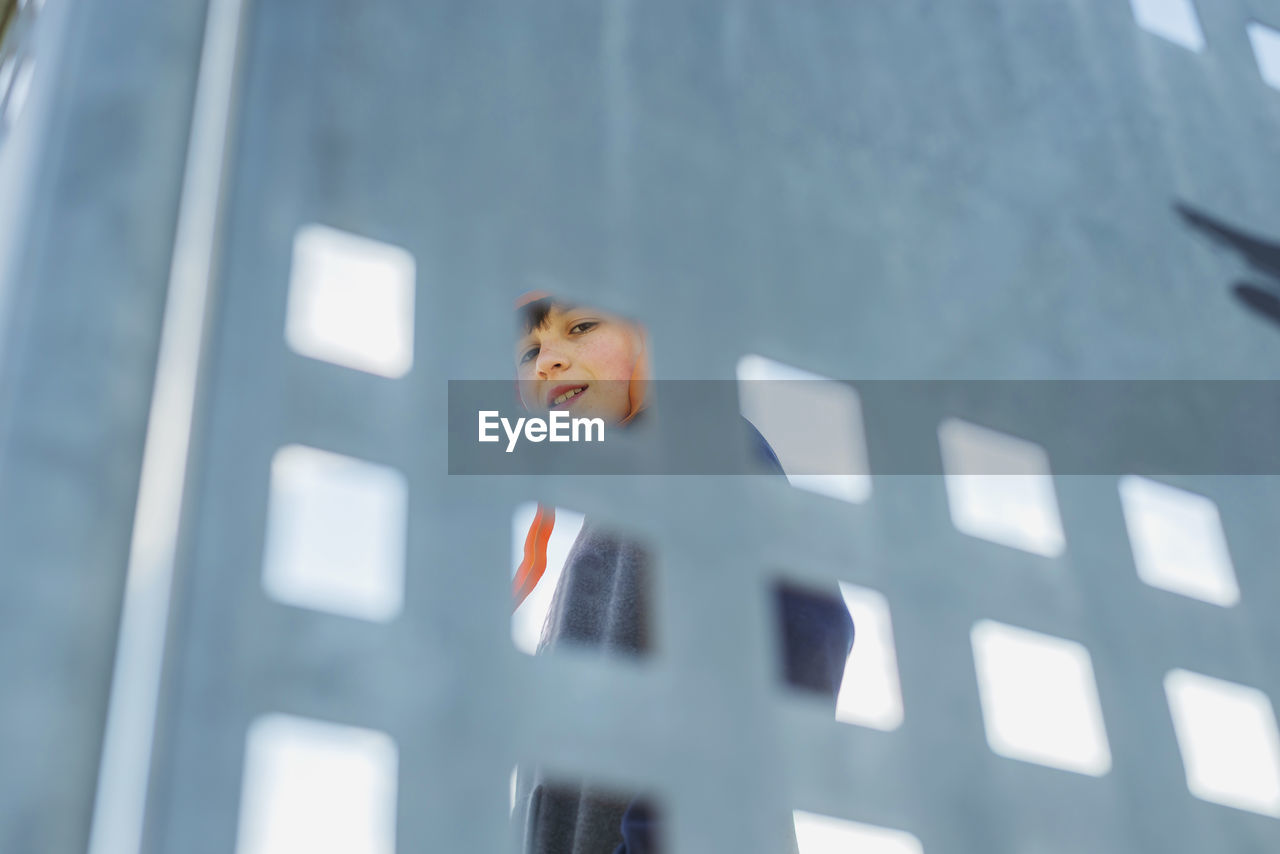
(563,395)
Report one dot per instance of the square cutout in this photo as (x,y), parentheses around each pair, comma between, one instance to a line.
(870,694)
(812,423)
(1172,20)
(999,488)
(317,787)
(814,638)
(351,301)
(1228,740)
(561,813)
(595,593)
(822,834)
(335,537)
(1266,50)
(1039,699)
(1177,539)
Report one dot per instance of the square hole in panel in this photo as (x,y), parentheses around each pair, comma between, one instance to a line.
(815,632)
(1228,740)
(999,488)
(583,360)
(1177,540)
(317,787)
(813,424)
(1174,20)
(822,834)
(560,813)
(558,536)
(351,301)
(1266,50)
(1039,699)
(335,534)
(595,592)
(869,693)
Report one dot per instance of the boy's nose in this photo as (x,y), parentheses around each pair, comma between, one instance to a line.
(551,360)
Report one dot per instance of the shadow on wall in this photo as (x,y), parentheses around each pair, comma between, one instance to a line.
(1263,256)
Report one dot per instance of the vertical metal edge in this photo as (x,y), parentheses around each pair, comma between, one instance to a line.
(120,798)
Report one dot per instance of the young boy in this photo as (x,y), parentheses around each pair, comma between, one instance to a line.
(595,364)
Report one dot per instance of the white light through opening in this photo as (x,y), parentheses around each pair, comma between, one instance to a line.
(1177,540)
(1266,50)
(822,834)
(351,301)
(1039,699)
(335,534)
(1173,20)
(999,488)
(527,621)
(870,694)
(1228,740)
(317,787)
(813,424)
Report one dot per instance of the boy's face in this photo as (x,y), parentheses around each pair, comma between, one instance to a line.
(583,351)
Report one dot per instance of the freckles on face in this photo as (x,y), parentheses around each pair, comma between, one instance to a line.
(580,345)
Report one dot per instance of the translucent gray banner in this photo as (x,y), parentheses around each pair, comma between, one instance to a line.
(851,427)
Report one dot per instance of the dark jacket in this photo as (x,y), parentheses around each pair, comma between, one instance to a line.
(600,601)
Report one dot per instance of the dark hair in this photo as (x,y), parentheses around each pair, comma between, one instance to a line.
(534,315)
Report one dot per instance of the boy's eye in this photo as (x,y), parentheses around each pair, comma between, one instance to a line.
(528,354)
(582,326)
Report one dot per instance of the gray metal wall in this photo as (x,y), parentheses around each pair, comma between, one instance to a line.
(979,189)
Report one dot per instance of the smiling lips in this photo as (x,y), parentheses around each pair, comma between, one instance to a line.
(564,394)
